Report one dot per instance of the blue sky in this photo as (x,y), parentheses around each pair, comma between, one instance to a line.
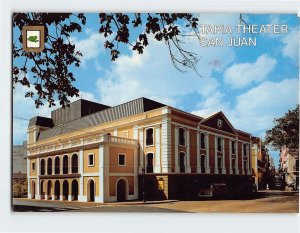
(251,85)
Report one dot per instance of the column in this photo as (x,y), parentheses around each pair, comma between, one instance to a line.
(216,155)
(136,181)
(61,196)
(230,156)
(141,139)
(223,157)
(61,159)
(249,159)
(166,145)
(28,178)
(101,173)
(198,153)
(176,149)
(80,195)
(237,171)
(157,168)
(53,165)
(38,196)
(243,172)
(115,132)
(188,159)
(70,191)
(207,168)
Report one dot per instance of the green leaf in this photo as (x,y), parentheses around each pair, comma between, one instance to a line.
(32,39)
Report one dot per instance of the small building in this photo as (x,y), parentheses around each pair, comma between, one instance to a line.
(19,170)
(289,164)
(139,149)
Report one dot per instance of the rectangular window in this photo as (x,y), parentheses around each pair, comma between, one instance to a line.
(245,149)
(33,166)
(91,160)
(202,141)
(220,144)
(149,137)
(125,134)
(181,136)
(233,147)
(121,159)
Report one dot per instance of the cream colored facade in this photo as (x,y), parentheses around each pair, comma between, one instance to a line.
(102,163)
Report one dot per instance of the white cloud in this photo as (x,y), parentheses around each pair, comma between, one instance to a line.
(242,74)
(291,45)
(90,47)
(256,109)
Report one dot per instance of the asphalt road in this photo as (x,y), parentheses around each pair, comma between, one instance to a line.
(264,202)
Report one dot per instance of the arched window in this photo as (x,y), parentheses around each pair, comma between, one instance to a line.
(182,162)
(42,167)
(149,168)
(56,190)
(49,166)
(65,164)
(220,164)
(182,136)
(57,165)
(202,163)
(149,137)
(233,145)
(74,163)
(202,141)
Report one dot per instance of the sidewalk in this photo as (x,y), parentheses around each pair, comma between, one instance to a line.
(76,204)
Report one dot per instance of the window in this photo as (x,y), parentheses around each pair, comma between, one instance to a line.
(149,168)
(220,164)
(202,163)
(91,160)
(245,149)
(42,167)
(233,147)
(149,137)
(74,163)
(121,159)
(161,184)
(219,144)
(49,166)
(233,165)
(65,164)
(202,141)
(125,134)
(182,162)
(245,165)
(181,136)
(33,166)
(57,165)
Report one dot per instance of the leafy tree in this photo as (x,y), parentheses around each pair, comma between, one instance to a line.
(49,70)
(285,132)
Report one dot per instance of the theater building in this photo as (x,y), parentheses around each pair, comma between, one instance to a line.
(140,149)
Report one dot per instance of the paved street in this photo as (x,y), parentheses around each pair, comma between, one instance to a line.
(264,202)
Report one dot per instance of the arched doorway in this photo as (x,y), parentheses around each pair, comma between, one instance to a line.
(42,192)
(121,190)
(49,190)
(33,189)
(57,190)
(75,190)
(233,166)
(91,191)
(65,190)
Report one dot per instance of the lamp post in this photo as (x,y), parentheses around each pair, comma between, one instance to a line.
(143,170)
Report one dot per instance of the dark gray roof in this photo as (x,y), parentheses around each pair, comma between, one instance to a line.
(130,108)
(41,121)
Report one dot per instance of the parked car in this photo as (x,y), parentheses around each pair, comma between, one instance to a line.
(216,190)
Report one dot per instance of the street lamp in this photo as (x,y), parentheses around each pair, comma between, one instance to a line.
(143,170)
